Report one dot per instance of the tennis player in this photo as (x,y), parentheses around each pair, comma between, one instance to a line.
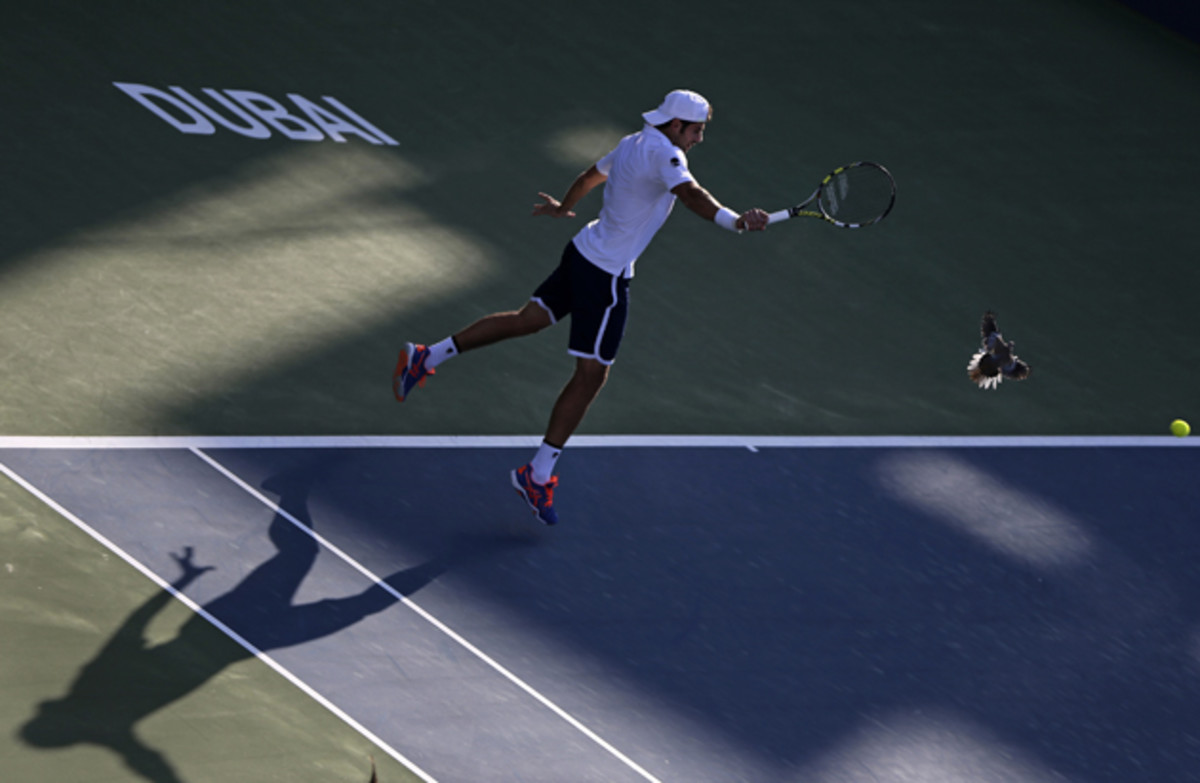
(643,176)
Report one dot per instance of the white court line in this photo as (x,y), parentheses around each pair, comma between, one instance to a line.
(435,622)
(751,442)
(232,634)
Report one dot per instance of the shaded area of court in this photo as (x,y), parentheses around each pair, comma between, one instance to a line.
(716,614)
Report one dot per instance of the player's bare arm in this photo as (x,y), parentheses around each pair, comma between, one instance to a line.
(582,185)
(700,201)
(590,285)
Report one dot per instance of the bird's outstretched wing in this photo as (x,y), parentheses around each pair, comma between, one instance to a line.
(995,360)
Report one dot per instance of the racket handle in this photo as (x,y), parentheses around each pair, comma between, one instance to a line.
(778,217)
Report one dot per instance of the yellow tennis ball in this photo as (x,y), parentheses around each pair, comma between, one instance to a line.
(1180,428)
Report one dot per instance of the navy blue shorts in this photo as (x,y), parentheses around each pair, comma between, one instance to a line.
(598,303)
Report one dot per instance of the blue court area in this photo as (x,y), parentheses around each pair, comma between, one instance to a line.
(783,610)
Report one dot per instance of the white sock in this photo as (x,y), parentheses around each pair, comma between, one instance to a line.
(544,461)
(440,352)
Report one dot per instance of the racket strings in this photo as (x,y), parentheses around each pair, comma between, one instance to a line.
(857,195)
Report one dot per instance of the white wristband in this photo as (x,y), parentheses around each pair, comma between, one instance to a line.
(727,218)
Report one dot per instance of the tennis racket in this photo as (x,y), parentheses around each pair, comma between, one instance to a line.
(852,196)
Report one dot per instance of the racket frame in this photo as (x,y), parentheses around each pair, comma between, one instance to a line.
(802,209)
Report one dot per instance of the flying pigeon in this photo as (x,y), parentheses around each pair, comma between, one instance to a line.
(995,360)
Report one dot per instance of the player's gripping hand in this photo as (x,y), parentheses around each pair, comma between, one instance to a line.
(753,220)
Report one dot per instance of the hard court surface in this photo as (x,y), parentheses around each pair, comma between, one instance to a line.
(884,610)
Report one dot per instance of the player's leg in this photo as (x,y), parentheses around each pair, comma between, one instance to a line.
(493,328)
(535,480)
(600,307)
(575,399)
(417,362)
(550,303)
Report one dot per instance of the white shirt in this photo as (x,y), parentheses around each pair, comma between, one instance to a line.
(641,171)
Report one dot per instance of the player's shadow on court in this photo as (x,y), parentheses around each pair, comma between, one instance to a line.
(130,679)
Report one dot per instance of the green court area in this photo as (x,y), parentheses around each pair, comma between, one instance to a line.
(88,641)
(161,282)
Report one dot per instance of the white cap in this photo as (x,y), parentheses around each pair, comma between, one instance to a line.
(683,104)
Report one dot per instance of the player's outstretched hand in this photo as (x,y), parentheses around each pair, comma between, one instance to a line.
(190,569)
(551,207)
(753,220)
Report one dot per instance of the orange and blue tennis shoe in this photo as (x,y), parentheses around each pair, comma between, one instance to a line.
(410,370)
(540,497)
